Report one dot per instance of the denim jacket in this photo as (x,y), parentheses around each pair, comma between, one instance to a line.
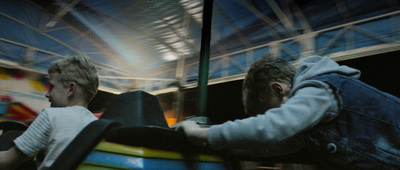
(366,132)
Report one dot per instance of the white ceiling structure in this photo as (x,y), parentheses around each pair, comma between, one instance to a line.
(153,45)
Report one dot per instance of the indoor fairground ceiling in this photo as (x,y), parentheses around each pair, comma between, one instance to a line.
(154,45)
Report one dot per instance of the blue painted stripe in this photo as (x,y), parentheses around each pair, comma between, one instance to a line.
(131,162)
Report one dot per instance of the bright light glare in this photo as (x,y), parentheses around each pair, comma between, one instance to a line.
(169,56)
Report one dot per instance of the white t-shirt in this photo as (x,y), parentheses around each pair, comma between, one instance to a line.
(53,130)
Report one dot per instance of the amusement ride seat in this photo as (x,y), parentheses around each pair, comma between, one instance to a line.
(10,130)
(135,135)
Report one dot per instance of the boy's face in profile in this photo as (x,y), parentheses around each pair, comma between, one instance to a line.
(58,93)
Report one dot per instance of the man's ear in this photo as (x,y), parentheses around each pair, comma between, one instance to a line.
(277,89)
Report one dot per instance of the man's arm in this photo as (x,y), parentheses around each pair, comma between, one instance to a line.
(194,132)
(11,158)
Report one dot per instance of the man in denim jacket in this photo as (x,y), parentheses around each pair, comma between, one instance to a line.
(344,123)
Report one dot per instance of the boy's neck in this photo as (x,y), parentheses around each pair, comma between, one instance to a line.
(78,103)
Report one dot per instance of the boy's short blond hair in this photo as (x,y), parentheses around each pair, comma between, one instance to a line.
(80,70)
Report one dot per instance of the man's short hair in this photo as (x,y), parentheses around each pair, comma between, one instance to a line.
(256,86)
(77,69)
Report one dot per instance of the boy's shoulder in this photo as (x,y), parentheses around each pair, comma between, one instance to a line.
(68,114)
(60,110)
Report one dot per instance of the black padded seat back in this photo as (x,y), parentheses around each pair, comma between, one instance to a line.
(136,108)
(10,131)
(83,144)
(151,137)
(7,139)
(12,125)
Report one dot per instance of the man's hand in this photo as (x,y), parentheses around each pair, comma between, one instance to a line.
(194,132)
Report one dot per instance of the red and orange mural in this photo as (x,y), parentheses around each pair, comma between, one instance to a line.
(22,95)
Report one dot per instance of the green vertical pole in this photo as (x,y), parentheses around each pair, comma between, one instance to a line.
(204,58)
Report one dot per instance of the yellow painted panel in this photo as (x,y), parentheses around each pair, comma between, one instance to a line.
(154,153)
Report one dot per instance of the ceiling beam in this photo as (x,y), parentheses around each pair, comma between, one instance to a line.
(232,25)
(56,40)
(136,78)
(314,33)
(139,30)
(343,10)
(124,65)
(282,16)
(269,23)
(44,51)
(300,16)
(64,10)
